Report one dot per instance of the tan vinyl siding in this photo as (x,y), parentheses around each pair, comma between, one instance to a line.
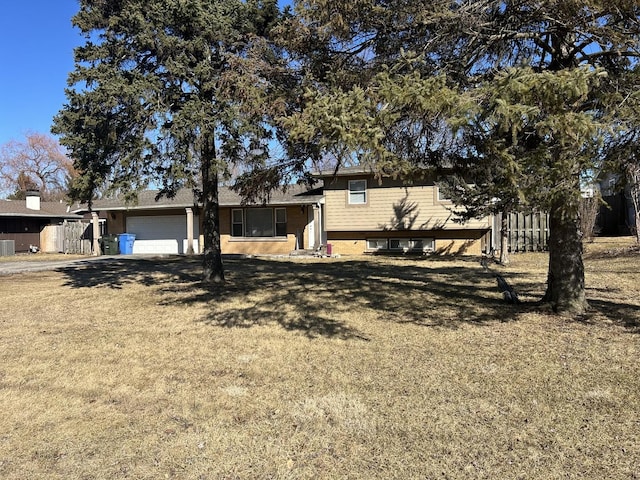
(391,206)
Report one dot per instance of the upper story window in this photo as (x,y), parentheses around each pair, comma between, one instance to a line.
(442,195)
(444,187)
(357,192)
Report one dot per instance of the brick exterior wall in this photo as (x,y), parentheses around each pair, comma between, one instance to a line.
(256,247)
(465,242)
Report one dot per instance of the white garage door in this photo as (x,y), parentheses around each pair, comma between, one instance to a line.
(166,234)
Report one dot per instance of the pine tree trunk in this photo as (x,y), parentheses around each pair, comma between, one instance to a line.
(633,180)
(504,238)
(213,270)
(635,199)
(565,279)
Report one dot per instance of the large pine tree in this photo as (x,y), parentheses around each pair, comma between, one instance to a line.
(525,96)
(170,92)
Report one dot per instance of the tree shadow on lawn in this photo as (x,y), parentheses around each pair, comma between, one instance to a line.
(315,297)
(116,272)
(623,314)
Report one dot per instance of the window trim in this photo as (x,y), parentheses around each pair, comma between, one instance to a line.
(351,192)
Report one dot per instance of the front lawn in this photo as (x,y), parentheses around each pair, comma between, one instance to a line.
(354,367)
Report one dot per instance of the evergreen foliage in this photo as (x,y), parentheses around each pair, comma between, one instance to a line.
(527,101)
(174,93)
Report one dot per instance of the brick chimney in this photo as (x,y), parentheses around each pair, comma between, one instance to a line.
(33,199)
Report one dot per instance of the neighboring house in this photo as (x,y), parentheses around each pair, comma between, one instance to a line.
(26,222)
(617,214)
(168,226)
(364,214)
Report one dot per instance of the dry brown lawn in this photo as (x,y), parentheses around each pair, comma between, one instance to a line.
(39,257)
(354,368)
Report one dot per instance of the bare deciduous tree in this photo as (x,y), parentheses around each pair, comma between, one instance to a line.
(38,162)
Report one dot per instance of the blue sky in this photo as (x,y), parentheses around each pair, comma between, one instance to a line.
(36,54)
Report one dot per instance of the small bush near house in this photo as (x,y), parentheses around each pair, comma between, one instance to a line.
(318,368)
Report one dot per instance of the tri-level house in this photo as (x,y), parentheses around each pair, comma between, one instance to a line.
(365,214)
(351,212)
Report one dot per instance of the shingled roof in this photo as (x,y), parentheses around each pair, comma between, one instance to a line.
(294,195)
(18,208)
(345,171)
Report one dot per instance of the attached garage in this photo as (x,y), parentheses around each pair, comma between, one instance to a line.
(161,234)
(160,224)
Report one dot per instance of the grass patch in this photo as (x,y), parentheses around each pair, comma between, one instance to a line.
(317,368)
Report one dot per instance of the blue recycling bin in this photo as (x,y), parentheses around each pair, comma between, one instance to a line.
(125,241)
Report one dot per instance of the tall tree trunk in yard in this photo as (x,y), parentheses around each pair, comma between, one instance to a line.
(635,198)
(633,180)
(504,238)
(565,279)
(213,270)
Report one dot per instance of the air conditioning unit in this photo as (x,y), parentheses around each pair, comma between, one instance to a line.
(7,248)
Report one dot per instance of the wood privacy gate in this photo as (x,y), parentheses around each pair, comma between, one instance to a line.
(69,237)
(527,232)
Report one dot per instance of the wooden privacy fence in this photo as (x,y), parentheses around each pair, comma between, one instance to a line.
(528,232)
(70,237)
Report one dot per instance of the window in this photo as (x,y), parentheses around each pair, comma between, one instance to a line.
(419,244)
(412,245)
(442,196)
(400,244)
(237,223)
(357,192)
(281,222)
(422,244)
(377,244)
(259,222)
